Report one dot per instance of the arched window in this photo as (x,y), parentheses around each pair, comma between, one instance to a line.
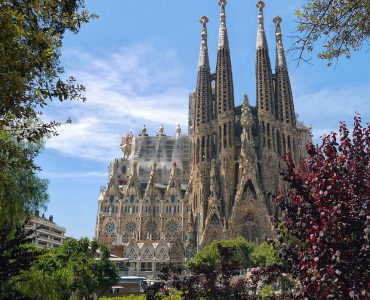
(123,169)
(214,221)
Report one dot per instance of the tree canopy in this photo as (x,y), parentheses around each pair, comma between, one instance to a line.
(16,255)
(21,190)
(239,252)
(265,255)
(31,76)
(31,34)
(72,269)
(343,26)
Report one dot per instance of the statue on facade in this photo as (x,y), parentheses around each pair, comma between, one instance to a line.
(126,145)
(246,120)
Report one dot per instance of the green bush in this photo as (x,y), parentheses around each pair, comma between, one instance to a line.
(265,255)
(266,291)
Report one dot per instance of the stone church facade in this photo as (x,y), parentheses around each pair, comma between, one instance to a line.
(184,191)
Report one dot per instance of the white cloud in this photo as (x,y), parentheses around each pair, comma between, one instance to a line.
(125,89)
(57,175)
(324,109)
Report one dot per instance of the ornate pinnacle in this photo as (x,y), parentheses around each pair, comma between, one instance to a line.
(203,56)
(280,56)
(222,4)
(261,39)
(277,21)
(222,34)
(260,5)
(204,20)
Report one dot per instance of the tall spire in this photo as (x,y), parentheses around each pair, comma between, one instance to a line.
(203,55)
(225,129)
(261,37)
(285,105)
(224,76)
(265,90)
(223,41)
(203,100)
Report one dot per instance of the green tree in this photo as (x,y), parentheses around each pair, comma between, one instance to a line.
(218,263)
(265,255)
(16,255)
(31,35)
(343,26)
(210,255)
(71,269)
(21,190)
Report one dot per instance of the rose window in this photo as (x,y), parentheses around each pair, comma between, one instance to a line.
(151,227)
(109,227)
(130,227)
(172,226)
(172,229)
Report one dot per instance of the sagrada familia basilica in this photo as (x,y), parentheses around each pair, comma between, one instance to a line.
(169,196)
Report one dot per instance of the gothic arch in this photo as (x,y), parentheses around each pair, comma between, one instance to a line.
(250,228)
(162,251)
(132,251)
(151,230)
(147,251)
(214,220)
(249,191)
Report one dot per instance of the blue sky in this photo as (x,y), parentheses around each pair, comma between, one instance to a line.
(138,62)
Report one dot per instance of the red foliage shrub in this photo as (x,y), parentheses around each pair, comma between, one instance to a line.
(327,210)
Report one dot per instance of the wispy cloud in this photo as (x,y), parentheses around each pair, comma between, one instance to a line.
(72,175)
(125,89)
(324,109)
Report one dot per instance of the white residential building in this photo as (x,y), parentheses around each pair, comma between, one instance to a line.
(48,234)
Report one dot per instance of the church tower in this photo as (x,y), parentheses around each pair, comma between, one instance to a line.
(202,136)
(284,97)
(225,115)
(267,124)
